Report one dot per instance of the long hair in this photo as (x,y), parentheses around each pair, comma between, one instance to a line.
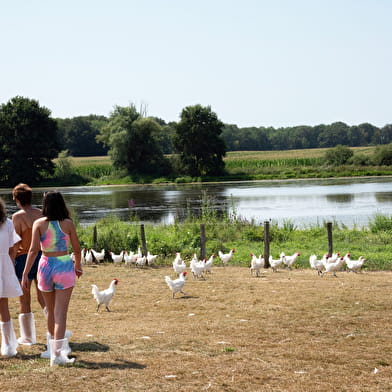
(53,206)
(3,214)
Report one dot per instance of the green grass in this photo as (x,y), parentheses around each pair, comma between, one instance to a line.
(246,237)
(240,165)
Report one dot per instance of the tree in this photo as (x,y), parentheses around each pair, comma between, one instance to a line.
(28,141)
(198,143)
(132,142)
(334,134)
(78,135)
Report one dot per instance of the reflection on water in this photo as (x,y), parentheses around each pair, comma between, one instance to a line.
(305,202)
(340,198)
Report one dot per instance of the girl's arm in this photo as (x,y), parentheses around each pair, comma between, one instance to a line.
(75,248)
(35,247)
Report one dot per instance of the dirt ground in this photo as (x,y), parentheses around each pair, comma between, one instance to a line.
(283,331)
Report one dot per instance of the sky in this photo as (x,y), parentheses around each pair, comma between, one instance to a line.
(256,63)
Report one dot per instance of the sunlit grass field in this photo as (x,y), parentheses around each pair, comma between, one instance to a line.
(241,165)
(241,155)
(283,331)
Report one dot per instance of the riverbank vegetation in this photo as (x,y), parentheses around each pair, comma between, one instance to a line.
(227,231)
(239,166)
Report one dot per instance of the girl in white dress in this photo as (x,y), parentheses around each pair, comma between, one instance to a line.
(9,284)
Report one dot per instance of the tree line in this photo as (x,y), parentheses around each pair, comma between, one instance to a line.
(195,145)
(78,135)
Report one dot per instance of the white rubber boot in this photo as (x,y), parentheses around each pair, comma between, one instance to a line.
(58,354)
(67,348)
(49,337)
(27,329)
(46,353)
(8,339)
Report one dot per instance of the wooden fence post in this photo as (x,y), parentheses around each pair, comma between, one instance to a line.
(202,241)
(330,243)
(143,238)
(266,244)
(95,238)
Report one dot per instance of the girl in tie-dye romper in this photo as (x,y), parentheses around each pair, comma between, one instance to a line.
(56,270)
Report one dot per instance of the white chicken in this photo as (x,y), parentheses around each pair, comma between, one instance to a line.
(354,265)
(225,257)
(178,259)
(197,267)
(88,257)
(117,259)
(141,261)
(334,257)
(208,264)
(104,297)
(129,259)
(151,258)
(256,264)
(318,265)
(176,285)
(334,267)
(82,256)
(179,264)
(290,260)
(99,256)
(275,263)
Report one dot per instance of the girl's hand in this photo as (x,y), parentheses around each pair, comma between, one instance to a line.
(25,283)
(78,272)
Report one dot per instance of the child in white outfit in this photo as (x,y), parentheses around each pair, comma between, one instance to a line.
(9,284)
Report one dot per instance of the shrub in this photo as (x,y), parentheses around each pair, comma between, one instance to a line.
(360,159)
(383,155)
(338,155)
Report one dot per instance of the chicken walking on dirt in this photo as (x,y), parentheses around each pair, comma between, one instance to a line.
(176,285)
(104,297)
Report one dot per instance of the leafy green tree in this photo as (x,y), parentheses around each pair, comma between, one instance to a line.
(338,155)
(28,141)
(78,135)
(198,143)
(333,135)
(132,142)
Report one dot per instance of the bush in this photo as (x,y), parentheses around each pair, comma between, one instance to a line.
(338,155)
(381,223)
(383,155)
(360,159)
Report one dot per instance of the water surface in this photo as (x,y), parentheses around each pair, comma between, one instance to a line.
(304,202)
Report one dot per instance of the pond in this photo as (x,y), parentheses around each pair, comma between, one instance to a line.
(352,202)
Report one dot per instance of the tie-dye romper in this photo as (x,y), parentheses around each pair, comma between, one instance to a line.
(55,272)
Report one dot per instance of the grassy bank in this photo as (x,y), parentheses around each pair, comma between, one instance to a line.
(225,233)
(240,165)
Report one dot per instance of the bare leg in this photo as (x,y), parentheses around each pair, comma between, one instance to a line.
(49,298)
(60,312)
(40,297)
(25,300)
(4,310)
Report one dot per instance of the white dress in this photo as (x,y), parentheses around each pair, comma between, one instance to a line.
(9,283)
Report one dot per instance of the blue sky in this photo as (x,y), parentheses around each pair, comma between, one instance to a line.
(256,63)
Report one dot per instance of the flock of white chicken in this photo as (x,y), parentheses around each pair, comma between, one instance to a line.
(91,256)
(199,268)
(328,264)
